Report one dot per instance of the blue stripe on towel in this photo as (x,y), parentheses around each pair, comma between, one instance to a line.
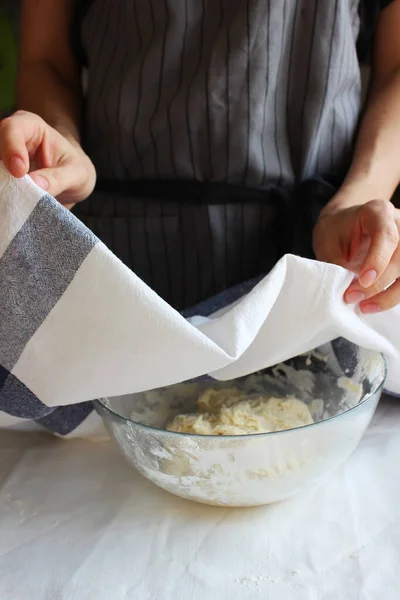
(17,400)
(64,419)
(35,270)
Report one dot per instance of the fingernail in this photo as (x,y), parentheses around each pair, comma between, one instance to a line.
(368,278)
(370,308)
(41,182)
(354,297)
(16,165)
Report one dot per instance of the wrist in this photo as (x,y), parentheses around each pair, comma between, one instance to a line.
(71,134)
(356,192)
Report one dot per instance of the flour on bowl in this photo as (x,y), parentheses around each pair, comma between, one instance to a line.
(249,470)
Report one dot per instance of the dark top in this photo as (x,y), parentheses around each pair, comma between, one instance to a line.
(369,12)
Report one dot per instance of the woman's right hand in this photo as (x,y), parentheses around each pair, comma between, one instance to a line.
(56,164)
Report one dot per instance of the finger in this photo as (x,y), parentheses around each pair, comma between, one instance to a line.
(13,150)
(379,223)
(67,178)
(20,134)
(383,301)
(356,293)
(358,253)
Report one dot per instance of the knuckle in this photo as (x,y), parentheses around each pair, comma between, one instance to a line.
(375,289)
(26,114)
(391,232)
(387,210)
(13,124)
(25,117)
(374,204)
(87,189)
(382,258)
(6,124)
(380,209)
(7,134)
(383,206)
(55,177)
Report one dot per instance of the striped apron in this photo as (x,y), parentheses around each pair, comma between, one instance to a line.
(215,127)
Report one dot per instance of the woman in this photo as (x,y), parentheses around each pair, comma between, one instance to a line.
(217,130)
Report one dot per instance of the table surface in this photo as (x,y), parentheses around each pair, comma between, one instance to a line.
(78,523)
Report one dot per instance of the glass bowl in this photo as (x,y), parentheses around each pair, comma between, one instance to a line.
(340,382)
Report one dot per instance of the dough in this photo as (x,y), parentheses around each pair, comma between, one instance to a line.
(230,412)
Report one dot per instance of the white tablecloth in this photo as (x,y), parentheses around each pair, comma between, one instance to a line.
(78,523)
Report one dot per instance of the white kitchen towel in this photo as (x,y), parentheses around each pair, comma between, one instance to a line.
(76,324)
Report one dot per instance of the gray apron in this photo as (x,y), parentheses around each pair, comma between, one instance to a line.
(205,121)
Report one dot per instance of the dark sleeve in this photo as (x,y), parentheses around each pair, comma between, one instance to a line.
(81,7)
(369,11)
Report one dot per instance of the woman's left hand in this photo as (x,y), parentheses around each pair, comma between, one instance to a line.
(366,240)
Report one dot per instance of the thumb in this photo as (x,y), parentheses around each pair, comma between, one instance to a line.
(56,181)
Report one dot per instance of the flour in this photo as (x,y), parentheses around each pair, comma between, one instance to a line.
(221,471)
(247,470)
(254,581)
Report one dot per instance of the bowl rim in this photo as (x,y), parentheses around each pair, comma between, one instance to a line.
(100,406)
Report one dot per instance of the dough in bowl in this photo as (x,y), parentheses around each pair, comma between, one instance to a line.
(230,412)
